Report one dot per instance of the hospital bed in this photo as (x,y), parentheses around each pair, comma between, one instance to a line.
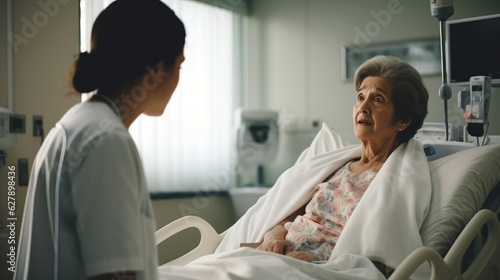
(461,233)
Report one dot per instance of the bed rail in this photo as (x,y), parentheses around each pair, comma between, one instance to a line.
(440,270)
(486,265)
(210,239)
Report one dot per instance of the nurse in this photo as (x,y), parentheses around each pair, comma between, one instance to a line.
(88,214)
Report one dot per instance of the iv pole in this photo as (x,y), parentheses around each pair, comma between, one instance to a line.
(444,90)
(442,10)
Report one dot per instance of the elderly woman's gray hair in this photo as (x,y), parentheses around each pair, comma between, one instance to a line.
(409,95)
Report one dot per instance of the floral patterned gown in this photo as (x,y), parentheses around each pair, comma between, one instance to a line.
(326,214)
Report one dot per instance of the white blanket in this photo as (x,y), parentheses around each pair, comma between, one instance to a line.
(384,226)
(251,264)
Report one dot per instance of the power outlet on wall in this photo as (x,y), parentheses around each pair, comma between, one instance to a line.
(37,126)
(23,171)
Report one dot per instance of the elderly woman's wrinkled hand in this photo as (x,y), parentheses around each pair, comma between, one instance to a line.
(274,241)
(301,255)
(275,246)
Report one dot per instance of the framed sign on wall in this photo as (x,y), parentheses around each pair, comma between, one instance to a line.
(424,55)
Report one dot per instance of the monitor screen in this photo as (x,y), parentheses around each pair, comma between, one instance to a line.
(473,49)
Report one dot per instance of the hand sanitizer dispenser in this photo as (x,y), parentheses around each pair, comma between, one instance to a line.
(256,139)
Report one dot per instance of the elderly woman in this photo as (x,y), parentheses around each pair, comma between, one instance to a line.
(391,105)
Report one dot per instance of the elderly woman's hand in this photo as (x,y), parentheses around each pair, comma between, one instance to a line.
(274,241)
(305,256)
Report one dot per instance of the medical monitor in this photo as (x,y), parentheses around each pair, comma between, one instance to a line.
(473,49)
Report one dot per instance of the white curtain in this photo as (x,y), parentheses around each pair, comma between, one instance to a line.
(188,148)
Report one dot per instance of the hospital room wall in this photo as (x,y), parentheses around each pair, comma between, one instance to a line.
(3,58)
(45,42)
(294,63)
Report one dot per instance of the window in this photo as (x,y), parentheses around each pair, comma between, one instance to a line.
(188,148)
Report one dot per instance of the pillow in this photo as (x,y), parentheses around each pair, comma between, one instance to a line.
(327,139)
(460,184)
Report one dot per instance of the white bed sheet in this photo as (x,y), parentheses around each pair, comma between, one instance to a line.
(248,263)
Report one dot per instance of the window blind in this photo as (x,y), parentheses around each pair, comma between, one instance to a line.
(188,148)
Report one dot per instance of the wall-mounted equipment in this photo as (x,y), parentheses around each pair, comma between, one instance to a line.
(256,139)
(10,124)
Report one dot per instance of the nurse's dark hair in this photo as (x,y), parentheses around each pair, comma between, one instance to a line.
(409,95)
(128,38)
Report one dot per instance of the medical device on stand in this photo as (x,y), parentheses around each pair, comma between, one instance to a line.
(256,141)
(473,64)
(475,102)
(9,125)
(442,10)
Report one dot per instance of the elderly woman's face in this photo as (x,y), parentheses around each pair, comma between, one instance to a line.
(373,112)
